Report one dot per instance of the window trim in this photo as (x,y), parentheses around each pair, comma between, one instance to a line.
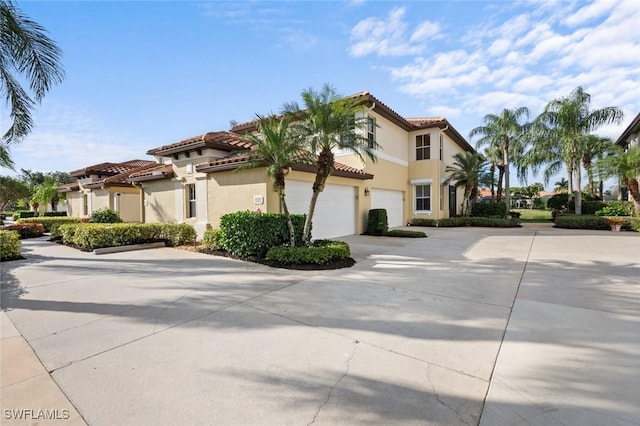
(191,198)
(371,132)
(420,183)
(425,149)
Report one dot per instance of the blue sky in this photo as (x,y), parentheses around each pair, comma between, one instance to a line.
(144,74)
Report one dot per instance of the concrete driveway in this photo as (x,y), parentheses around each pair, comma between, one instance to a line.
(532,326)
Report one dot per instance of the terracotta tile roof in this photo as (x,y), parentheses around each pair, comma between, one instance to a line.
(70,187)
(122,179)
(156,172)
(110,169)
(425,120)
(225,141)
(234,161)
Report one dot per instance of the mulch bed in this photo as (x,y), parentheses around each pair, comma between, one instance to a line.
(337,264)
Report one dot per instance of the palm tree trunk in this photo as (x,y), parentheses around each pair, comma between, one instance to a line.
(578,201)
(325,166)
(500,178)
(492,170)
(507,190)
(287,217)
(570,183)
(634,190)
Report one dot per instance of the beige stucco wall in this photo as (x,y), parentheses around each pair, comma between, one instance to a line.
(158,198)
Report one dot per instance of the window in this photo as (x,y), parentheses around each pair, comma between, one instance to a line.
(423,197)
(191,200)
(423,147)
(371,132)
(441,143)
(85,205)
(442,197)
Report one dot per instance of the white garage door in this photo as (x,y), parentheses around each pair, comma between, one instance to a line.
(392,202)
(334,215)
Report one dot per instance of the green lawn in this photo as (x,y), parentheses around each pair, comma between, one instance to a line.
(532,215)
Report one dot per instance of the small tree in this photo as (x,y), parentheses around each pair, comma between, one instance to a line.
(11,191)
(464,172)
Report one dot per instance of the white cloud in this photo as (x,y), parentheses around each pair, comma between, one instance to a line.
(590,12)
(390,36)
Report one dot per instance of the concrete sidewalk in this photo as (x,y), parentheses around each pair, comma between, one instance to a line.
(493,326)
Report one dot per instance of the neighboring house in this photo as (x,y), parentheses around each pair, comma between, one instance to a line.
(196,179)
(628,139)
(106,185)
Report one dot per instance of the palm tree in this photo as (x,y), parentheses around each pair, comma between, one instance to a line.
(46,192)
(494,156)
(596,148)
(329,122)
(626,166)
(503,131)
(561,135)
(561,186)
(465,171)
(277,149)
(26,52)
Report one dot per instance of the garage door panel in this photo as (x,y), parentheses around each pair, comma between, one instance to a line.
(392,202)
(334,215)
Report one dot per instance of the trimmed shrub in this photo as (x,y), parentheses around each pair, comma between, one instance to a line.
(539,204)
(588,207)
(253,234)
(492,209)
(54,214)
(9,244)
(633,224)
(614,208)
(322,252)
(492,222)
(27,229)
(51,224)
(22,214)
(89,236)
(514,214)
(558,201)
(575,221)
(105,216)
(423,222)
(405,234)
(212,239)
(377,223)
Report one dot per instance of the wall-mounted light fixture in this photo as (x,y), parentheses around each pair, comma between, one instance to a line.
(366,192)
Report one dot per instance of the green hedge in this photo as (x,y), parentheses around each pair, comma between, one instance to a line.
(27,229)
(54,214)
(21,214)
(105,215)
(89,236)
(322,252)
(9,244)
(51,224)
(212,239)
(492,209)
(377,223)
(405,234)
(588,207)
(573,221)
(491,222)
(424,222)
(253,234)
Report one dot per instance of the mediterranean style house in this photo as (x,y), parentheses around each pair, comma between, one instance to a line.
(197,180)
(106,185)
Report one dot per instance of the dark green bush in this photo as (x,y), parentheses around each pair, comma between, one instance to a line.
(558,201)
(322,252)
(492,222)
(212,239)
(539,204)
(9,244)
(574,221)
(514,214)
(424,222)
(89,236)
(377,223)
(492,209)
(253,234)
(633,224)
(51,224)
(21,214)
(405,234)
(105,216)
(588,207)
(614,208)
(26,229)
(54,214)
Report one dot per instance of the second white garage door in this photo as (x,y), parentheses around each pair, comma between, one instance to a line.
(334,215)
(392,202)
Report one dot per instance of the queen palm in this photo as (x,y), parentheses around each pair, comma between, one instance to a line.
(561,136)
(503,131)
(277,149)
(26,52)
(626,166)
(561,186)
(465,171)
(329,122)
(596,149)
